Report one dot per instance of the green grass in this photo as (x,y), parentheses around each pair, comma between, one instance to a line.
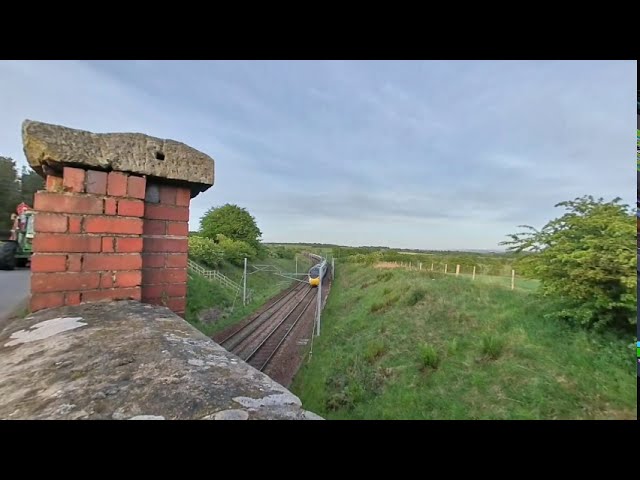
(203,294)
(458,350)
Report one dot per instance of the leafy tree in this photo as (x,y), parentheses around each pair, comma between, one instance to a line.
(9,193)
(205,251)
(235,251)
(232,221)
(30,183)
(588,258)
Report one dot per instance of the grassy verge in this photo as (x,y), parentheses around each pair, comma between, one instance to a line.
(400,344)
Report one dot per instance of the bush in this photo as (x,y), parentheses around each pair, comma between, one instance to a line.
(588,258)
(205,251)
(235,251)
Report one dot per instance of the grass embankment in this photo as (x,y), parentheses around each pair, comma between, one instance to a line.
(399,344)
(204,295)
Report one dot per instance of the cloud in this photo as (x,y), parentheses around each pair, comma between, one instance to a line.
(413,154)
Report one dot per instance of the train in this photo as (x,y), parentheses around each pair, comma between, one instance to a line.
(314,272)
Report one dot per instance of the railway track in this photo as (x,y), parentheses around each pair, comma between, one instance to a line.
(257,339)
(269,339)
(262,354)
(257,317)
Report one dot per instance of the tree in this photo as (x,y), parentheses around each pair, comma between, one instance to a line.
(588,258)
(205,251)
(9,193)
(30,183)
(233,222)
(235,251)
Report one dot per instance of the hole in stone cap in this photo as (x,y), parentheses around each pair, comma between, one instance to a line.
(159,156)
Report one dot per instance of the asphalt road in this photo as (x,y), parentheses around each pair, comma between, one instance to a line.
(14,288)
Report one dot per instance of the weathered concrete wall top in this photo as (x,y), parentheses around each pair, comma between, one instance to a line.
(127,360)
(47,145)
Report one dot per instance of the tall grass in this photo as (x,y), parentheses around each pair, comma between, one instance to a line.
(463,350)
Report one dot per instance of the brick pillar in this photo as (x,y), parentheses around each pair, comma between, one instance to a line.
(164,254)
(87,244)
(120,234)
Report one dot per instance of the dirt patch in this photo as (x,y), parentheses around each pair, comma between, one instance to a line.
(386,265)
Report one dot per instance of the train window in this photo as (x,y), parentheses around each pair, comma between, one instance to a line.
(314,272)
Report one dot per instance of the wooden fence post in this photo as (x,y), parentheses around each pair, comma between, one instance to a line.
(513,279)
(445,268)
(457,270)
(473,277)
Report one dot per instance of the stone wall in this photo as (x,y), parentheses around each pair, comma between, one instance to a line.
(128,360)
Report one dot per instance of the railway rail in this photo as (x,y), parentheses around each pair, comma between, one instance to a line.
(259,338)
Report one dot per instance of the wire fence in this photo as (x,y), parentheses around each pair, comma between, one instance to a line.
(512,281)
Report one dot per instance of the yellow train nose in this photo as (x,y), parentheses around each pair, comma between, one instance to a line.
(314,282)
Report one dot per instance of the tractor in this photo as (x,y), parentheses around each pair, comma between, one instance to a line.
(17,250)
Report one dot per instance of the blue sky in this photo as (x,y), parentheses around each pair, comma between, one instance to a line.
(409,154)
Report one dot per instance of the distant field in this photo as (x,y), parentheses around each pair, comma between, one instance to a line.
(400,344)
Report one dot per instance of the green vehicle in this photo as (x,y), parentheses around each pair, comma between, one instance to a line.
(16,252)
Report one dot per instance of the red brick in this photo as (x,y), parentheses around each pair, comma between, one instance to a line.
(152,300)
(128,279)
(136,187)
(50,242)
(75,224)
(130,261)
(107,280)
(112,294)
(60,282)
(117,184)
(131,208)
(96,182)
(128,244)
(73,179)
(110,206)
(74,262)
(154,227)
(169,290)
(156,260)
(154,276)
(113,225)
(40,301)
(67,203)
(177,261)
(183,197)
(173,245)
(72,298)
(54,184)
(178,228)
(108,244)
(164,212)
(168,194)
(50,223)
(48,263)
(176,304)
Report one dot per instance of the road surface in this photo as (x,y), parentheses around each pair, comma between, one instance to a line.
(14,288)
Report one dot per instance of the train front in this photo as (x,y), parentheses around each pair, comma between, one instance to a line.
(314,276)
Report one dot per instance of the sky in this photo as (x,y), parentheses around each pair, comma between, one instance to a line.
(407,154)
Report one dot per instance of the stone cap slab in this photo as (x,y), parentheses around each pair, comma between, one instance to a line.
(47,145)
(128,360)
